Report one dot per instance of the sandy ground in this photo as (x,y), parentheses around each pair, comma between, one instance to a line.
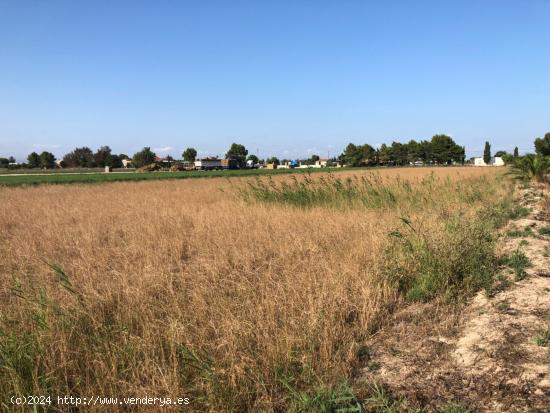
(483,355)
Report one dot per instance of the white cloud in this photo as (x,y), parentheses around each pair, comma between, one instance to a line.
(44,146)
(164,149)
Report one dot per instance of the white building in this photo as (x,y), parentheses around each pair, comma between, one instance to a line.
(495,161)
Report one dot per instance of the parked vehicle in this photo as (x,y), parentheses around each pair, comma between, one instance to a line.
(208,164)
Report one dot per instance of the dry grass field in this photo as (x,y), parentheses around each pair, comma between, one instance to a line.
(240,295)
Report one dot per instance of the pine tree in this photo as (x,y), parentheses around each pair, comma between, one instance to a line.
(516,152)
(487,153)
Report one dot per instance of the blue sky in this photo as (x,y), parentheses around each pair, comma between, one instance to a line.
(286,78)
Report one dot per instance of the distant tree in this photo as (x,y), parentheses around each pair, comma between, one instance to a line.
(143,157)
(238,152)
(413,150)
(116,161)
(4,162)
(253,158)
(384,154)
(47,160)
(33,160)
(500,154)
(358,155)
(103,157)
(516,152)
(368,153)
(169,160)
(80,158)
(462,155)
(444,150)
(426,152)
(273,160)
(542,145)
(11,159)
(349,156)
(314,158)
(508,159)
(398,153)
(487,153)
(189,155)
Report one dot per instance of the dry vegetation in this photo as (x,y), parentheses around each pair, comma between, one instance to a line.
(491,353)
(201,289)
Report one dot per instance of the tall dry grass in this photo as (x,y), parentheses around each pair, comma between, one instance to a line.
(183,289)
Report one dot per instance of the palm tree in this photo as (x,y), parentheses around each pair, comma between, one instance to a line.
(530,167)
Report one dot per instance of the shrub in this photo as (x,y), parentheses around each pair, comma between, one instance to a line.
(518,233)
(455,262)
(531,167)
(543,338)
(518,261)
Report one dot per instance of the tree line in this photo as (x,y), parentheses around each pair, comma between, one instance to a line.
(440,150)
(84,157)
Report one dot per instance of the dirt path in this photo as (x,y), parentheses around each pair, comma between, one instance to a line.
(485,355)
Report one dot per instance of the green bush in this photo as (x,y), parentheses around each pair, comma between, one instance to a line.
(543,338)
(517,261)
(461,264)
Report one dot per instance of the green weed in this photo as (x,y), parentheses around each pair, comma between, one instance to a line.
(543,338)
(519,212)
(322,399)
(462,264)
(369,191)
(454,408)
(518,233)
(382,401)
(518,262)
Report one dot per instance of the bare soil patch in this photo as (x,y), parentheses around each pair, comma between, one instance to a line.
(482,355)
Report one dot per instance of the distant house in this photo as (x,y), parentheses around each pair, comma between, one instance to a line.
(495,161)
(498,161)
(322,163)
